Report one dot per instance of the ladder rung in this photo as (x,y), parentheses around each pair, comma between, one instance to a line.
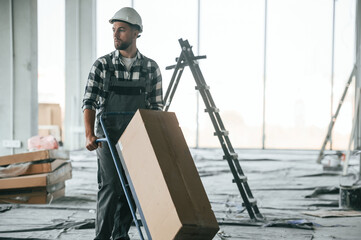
(241,178)
(195,62)
(212,109)
(206,87)
(252,201)
(195,58)
(233,156)
(223,132)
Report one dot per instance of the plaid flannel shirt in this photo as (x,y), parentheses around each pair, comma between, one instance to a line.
(95,95)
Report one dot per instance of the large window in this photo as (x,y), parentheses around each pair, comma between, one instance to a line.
(298,73)
(51,51)
(232,34)
(298,95)
(297,65)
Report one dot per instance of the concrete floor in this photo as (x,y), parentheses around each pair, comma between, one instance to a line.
(280,181)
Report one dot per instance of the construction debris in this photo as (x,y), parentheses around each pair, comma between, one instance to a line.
(281,196)
(333,213)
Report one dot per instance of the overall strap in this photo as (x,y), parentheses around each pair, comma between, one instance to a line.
(144,69)
(144,76)
(109,73)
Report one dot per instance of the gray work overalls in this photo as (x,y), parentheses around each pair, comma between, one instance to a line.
(113,214)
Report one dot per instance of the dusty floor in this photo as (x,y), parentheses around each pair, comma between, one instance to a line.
(280,181)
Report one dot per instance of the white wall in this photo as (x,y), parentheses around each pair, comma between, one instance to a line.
(18,67)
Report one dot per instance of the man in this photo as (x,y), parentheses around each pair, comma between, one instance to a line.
(122,81)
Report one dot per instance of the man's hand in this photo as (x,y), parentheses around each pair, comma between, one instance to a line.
(89,119)
(91,144)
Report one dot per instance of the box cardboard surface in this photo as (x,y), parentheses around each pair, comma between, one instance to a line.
(160,169)
(37,180)
(33,156)
(49,114)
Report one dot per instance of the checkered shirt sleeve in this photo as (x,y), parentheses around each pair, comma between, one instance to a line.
(155,97)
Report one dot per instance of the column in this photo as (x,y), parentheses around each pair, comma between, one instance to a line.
(80,54)
(18,79)
(357,143)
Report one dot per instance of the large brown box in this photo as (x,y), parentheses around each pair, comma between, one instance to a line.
(164,178)
(50,114)
(50,117)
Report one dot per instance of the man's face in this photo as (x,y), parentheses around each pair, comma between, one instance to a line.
(123,35)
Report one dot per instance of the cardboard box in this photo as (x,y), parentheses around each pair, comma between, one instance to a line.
(164,179)
(49,114)
(33,156)
(49,117)
(38,180)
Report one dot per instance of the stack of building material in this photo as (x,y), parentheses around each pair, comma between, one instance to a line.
(34,177)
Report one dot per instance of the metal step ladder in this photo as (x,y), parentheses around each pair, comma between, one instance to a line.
(334,117)
(187,58)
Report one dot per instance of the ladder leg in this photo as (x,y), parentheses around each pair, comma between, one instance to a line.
(174,88)
(334,117)
(177,73)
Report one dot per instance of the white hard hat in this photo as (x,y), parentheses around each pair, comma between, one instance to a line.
(128,15)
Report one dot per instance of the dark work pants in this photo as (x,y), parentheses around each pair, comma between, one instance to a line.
(113,216)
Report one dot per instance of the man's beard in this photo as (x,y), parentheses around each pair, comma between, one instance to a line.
(122,45)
